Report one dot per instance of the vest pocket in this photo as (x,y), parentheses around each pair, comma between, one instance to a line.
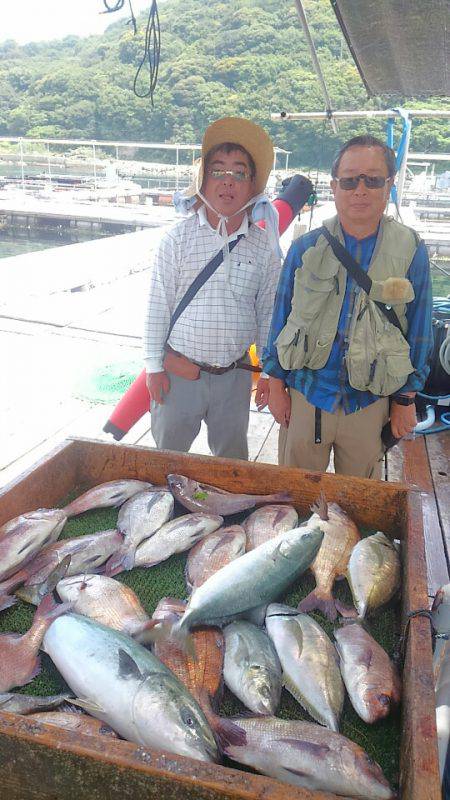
(292,346)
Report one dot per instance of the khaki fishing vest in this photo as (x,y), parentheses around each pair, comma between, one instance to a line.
(377,357)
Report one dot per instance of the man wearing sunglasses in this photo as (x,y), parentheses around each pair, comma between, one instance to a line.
(348,347)
(198,367)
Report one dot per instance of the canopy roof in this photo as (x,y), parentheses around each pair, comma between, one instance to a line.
(399,46)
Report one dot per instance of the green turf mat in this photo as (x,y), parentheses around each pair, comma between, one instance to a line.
(381,741)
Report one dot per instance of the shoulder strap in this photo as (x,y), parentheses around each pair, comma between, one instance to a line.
(198,282)
(357,273)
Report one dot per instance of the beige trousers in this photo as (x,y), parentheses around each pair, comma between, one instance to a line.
(355,439)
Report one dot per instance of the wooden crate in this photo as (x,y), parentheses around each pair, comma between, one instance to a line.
(38,762)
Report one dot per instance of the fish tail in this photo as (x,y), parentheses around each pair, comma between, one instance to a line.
(48,609)
(346,611)
(320,600)
(116,563)
(278,497)
(7,600)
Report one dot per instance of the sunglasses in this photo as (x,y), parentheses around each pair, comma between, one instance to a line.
(237,175)
(370,182)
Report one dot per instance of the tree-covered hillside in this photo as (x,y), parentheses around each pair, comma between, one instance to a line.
(221,57)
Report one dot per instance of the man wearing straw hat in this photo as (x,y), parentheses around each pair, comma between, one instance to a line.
(197,335)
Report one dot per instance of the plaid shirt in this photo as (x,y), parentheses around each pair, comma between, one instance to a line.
(328,388)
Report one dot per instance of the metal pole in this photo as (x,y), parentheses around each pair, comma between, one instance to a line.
(402,171)
(49,165)
(21,164)
(176,172)
(315,60)
(95,168)
(287,161)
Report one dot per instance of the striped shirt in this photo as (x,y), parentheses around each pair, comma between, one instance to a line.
(231,310)
(329,388)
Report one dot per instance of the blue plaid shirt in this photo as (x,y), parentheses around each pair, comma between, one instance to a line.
(328,388)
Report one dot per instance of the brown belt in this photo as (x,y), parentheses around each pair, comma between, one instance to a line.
(239,364)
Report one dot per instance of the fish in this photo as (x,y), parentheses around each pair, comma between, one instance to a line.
(176,537)
(340,536)
(22,537)
(19,654)
(268,521)
(105,495)
(441,672)
(200,672)
(252,580)
(87,553)
(252,669)
(211,500)
(105,600)
(310,663)
(371,679)
(212,553)
(73,721)
(373,573)
(123,684)
(139,519)
(27,703)
(303,754)
(440,618)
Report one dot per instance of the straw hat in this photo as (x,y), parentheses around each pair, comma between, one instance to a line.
(244,133)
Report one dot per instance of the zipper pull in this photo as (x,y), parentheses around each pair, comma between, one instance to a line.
(295,339)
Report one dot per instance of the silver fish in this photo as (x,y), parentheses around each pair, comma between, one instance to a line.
(303,754)
(255,578)
(211,500)
(251,669)
(268,521)
(74,721)
(27,703)
(139,518)
(124,685)
(105,495)
(19,654)
(441,669)
(310,663)
(371,679)
(176,537)
(105,600)
(22,537)
(440,617)
(373,572)
(212,553)
(87,553)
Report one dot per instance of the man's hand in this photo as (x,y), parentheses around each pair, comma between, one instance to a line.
(262,393)
(403,419)
(158,384)
(279,402)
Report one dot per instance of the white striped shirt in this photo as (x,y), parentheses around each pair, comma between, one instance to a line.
(232,309)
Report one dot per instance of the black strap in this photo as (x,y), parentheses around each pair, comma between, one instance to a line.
(197,284)
(357,273)
(317,426)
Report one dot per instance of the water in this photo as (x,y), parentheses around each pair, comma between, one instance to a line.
(15,241)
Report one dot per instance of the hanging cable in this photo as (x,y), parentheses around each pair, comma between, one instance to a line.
(152,50)
(111,8)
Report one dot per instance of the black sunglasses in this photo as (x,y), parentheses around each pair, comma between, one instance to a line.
(370,181)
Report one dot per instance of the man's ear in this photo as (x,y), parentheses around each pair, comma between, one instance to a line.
(333,185)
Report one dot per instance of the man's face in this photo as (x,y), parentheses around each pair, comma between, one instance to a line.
(227,194)
(361,208)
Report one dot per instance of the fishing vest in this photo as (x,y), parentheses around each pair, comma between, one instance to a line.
(377,357)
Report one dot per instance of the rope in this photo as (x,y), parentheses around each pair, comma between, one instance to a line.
(399,653)
(117,6)
(152,51)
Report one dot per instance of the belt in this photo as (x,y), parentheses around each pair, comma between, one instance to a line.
(239,364)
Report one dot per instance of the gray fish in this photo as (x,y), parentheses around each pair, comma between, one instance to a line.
(105,600)
(121,683)
(211,500)
(176,537)
(303,754)
(139,519)
(87,553)
(27,703)
(212,553)
(22,537)
(73,721)
(373,572)
(310,663)
(370,677)
(251,667)
(268,521)
(105,495)
(252,580)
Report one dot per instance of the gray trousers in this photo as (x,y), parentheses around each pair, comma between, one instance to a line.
(222,401)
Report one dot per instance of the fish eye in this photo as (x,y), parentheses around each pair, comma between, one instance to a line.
(187,717)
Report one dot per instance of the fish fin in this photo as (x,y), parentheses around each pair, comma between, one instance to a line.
(144,633)
(226,732)
(36,669)
(49,609)
(346,611)
(6,601)
(128,667)
(87,705)
(114,565)
(320,507)
(321,601)
(279,497)
(36,592)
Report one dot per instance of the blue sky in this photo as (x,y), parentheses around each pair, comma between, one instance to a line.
(41,20)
